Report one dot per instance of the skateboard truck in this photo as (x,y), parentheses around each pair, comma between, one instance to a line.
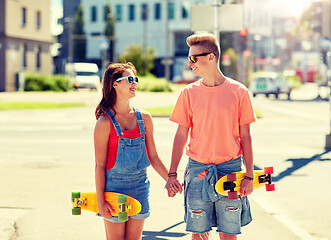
(230,184)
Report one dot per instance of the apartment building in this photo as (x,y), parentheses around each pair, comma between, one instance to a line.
(25,40)
(161,24)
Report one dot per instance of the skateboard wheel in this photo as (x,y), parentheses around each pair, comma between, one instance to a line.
(122,198)
(268,170)
(232,195)
(75,195)
(270,187)
(231,177)
(76,211)
(123,217)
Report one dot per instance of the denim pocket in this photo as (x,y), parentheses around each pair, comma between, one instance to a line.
(131,157)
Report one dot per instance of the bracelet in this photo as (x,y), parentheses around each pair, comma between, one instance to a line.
(249,178)
(172,174)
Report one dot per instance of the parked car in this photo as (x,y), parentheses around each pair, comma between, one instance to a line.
(270,83)
(83,75)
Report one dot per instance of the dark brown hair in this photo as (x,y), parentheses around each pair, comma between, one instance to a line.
(113,72)
(207,42)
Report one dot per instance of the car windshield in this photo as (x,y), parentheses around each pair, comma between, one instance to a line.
(86,73)
(261,79)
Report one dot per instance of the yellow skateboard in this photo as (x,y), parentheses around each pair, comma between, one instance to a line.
(123,205)
(230,184)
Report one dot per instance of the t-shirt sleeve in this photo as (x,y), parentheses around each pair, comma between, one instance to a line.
(246,110)
(182,113)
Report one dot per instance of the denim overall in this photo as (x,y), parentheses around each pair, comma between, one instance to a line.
(129,175)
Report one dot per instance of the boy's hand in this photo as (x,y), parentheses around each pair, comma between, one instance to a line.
(246,187)
(173,186)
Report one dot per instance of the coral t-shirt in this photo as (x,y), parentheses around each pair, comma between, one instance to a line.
(113,142)
(214,115)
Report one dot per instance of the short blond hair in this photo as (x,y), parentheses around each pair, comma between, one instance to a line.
(207,42)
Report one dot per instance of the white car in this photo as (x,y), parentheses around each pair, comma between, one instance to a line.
(83,75)
(270,83)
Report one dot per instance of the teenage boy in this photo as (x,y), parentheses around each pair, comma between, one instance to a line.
(216,113)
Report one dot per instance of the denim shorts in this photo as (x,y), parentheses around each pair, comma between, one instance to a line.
(227,215)
(136,186)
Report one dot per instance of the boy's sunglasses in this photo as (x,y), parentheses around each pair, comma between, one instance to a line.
(193,58)
(129,78)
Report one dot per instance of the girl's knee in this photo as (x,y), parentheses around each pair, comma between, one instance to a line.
(200,236)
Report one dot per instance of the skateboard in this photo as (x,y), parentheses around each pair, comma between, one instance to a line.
(123,205)
(230,184)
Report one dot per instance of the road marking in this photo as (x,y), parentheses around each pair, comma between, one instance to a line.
(277,214)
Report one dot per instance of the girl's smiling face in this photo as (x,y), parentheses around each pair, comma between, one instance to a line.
(123,87)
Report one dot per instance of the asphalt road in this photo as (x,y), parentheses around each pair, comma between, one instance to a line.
(45,154)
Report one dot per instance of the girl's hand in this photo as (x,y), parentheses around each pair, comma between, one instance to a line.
(173,186)
(105,209)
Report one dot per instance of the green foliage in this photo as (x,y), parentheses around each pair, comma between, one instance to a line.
(142,59)
(109,30)
(152,84)
(40,82)
(232,70)
(79,42)
(295,81)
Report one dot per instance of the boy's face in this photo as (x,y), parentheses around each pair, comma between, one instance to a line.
(198,60)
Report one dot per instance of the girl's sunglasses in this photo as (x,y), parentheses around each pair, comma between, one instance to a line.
(193,58)
(129,78)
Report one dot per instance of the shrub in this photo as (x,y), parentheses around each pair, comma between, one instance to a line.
(40,82)
(153,84)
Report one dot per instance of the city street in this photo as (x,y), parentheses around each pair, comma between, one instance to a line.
(45,154)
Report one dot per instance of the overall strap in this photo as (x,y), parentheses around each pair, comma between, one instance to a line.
(115,123)
(140,121)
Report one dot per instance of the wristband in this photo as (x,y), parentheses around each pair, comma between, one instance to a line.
(172,174)
(249,178)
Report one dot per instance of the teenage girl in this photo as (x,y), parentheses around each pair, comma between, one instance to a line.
(124,148)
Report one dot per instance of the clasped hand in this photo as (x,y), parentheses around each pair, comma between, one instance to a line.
(173,186)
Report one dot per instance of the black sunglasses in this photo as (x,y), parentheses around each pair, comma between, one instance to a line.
(193,58)
(129,78)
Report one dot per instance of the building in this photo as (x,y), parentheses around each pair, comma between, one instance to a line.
(161,24)
(25,41)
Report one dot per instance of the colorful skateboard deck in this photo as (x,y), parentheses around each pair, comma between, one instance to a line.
(123,205)
(230,184)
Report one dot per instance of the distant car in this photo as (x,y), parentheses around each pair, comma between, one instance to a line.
(83,75)
(270,83)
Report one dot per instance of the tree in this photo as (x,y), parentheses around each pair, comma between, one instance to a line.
(142,60)
(110,31)
(79,42)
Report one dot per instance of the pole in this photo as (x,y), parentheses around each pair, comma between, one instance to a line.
(167,65)
(328,137)
(216,26)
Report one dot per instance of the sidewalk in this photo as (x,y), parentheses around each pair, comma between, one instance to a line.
(47,212)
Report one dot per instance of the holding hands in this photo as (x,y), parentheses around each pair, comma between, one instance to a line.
(173,186)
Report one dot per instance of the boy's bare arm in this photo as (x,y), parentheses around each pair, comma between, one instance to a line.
(179,144)
(247,150)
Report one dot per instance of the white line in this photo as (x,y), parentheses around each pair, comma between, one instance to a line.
(282,218)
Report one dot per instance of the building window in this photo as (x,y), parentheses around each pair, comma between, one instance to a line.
(171,10)
(157,11)
(131,12)
(105,13)
(118,13)
(144,12)
(93,14)
(38,20)
(24,55)
(23,17)
(185,10)
(38,57)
